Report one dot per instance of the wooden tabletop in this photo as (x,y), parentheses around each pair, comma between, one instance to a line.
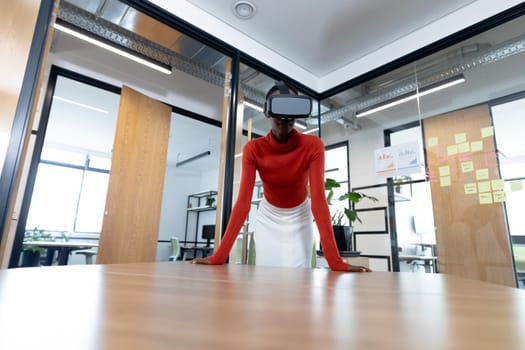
(184,306)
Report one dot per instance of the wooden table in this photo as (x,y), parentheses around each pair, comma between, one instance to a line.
(184,306)
(64,248)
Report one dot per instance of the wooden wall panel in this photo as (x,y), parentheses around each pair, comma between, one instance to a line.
(471,233)
(133,205)
(17,25)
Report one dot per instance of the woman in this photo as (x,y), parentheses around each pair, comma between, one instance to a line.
(288,162)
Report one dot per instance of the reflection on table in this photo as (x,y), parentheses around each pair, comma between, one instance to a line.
(177,305)
(63,249)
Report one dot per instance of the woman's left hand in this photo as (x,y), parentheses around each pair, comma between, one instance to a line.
(354,268)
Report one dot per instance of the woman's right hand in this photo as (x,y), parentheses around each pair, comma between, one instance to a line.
(202,261)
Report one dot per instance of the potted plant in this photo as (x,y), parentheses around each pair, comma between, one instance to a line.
(343,217)
(31,253)
(210,200)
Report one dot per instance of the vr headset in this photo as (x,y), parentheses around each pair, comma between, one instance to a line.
(286,105)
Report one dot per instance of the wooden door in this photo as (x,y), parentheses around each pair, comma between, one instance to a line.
(133,204)
(467,196)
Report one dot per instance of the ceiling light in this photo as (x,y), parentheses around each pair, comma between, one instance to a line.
(191,159)
(252,105)
(413,95)
(301,124)
(82,34)
(244,9)
(310,131)
(80,104)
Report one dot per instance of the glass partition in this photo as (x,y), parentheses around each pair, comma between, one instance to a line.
(193,85)
(361,117)
(475,154)
(436,142)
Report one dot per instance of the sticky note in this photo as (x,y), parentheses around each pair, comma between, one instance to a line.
(460,137)
(499,196)
(452,149)
(432,141)
(482,174)
(467,167)
(476,146)
(498,185)
(463,147)
(444,170)
(516,186)
(471,188)
(485,198)
(444,181)
(487,131)
(484,186)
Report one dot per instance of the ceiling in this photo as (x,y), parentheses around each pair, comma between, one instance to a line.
(323,44)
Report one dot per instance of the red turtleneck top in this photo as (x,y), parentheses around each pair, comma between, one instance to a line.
(285,170)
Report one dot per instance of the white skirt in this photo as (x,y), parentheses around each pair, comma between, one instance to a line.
(284,236)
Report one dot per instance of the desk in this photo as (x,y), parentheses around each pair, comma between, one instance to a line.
(205,251)
(428,261)
(177,305)
(63,248)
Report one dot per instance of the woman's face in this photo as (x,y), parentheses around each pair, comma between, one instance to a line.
(282,127)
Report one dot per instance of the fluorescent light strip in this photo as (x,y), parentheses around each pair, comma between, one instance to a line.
(300,125)
(254,106)
(77,34)
(191,159)
(442,85)
(310,131)
(80,104)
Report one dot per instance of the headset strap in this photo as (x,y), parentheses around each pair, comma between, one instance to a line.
(283,89)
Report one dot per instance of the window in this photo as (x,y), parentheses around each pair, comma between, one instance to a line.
(68,197)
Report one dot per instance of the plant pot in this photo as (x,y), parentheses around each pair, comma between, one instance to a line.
(343,237)
(30,258)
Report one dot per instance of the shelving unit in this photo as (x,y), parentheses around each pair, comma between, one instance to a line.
(197,203)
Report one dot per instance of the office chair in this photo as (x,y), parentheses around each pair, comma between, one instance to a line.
(175,249)
(88,254)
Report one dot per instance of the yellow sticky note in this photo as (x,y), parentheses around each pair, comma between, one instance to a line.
(476,146)
(463,147)
(499,196)
(432,141)
(460,137)
(482,174)
(488,131)
(516,186)
(471,188)
(467,167)
(444,170)
(485,198)
(484,186)
(444,181)
(498,185)
(452,149)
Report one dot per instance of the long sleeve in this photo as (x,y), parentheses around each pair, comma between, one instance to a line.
(240,210)
(321,211)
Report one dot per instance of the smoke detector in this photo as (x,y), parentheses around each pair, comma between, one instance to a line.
(244,9)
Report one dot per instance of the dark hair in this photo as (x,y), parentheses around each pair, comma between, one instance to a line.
(275,87)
